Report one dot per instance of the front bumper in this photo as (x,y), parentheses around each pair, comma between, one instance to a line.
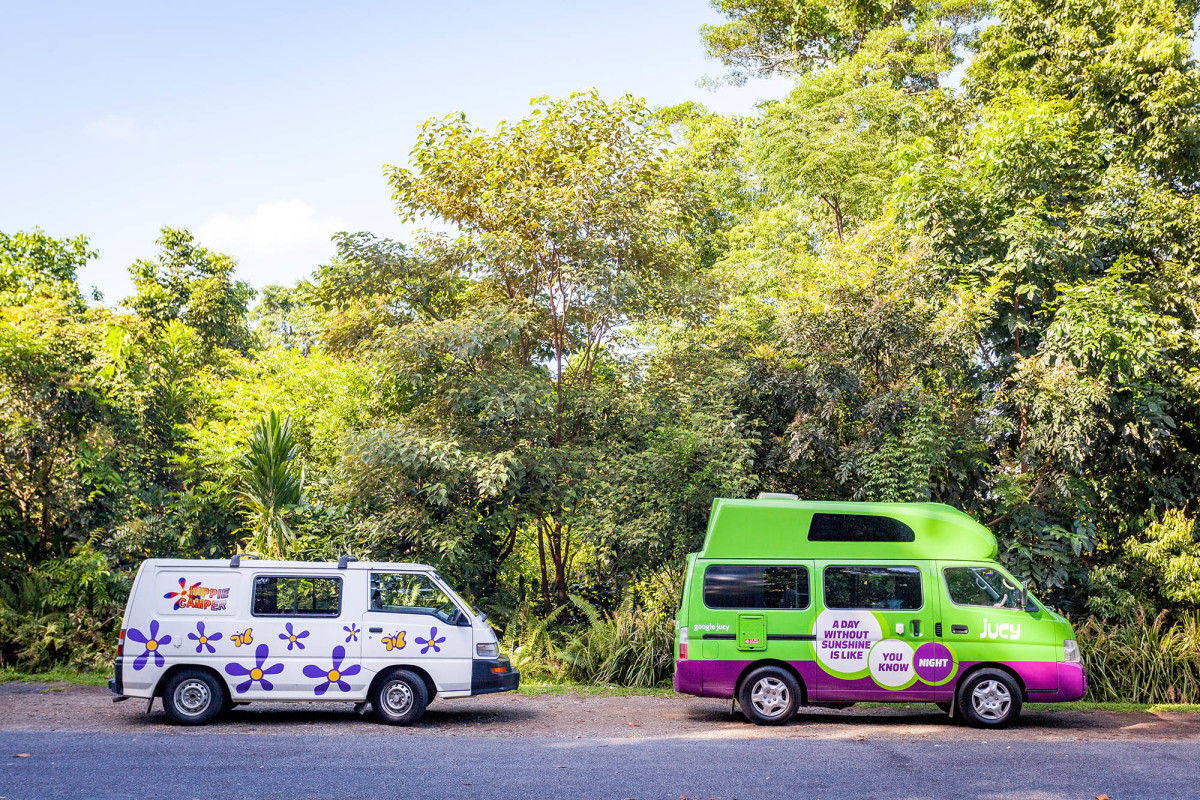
(490,675)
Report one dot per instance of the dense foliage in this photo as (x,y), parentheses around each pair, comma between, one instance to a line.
(878,287)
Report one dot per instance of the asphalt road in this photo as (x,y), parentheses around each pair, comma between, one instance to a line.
(157,765)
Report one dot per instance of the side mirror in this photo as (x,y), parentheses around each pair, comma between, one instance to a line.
(1025,595)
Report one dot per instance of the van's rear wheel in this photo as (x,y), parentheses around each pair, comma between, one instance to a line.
(399,698)
(989,698)
(769,696)
(193,697)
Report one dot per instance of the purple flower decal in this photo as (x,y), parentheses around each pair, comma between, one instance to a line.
(153,644)
(203,639)
(334,675)
(351,632)
(257,672)
(293,638)
(431,643)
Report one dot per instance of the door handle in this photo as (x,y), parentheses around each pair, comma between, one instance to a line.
(916,625)
(959,629)
(375,630)
(937,629)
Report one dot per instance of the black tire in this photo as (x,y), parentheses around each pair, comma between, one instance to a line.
(989,698)
(769,696)
(194,697)
(399,697)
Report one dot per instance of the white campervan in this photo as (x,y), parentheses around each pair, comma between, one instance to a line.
(207,635)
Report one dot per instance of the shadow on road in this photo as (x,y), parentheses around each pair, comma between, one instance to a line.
(898,717)
(280,715)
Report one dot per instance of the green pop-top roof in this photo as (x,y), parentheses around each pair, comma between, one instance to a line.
(777,527)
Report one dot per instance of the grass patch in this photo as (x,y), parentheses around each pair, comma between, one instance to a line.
(58,674)
(1186,708)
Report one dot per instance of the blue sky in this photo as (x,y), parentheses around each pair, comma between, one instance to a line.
(263,127)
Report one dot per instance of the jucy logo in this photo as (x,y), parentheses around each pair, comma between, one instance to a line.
(1002,630)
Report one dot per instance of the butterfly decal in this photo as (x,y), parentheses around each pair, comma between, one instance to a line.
(395,641)
(242,638)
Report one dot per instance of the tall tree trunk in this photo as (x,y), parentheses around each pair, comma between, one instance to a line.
(541,537)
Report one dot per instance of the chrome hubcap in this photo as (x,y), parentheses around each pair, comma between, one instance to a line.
(397,698)
(991,700)
(770,697)
(192,697)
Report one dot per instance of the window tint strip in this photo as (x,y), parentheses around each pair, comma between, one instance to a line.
(873,588)
(741,586)
(296,596)
(858,528)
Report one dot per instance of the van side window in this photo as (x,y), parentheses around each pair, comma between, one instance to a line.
(873,587)
(982,586)
(410,593)
(285,596)
(858,528)
(730,586)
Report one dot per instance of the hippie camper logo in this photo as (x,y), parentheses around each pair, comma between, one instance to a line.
(201,598)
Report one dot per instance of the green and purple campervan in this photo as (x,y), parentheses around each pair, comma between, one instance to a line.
(824,603)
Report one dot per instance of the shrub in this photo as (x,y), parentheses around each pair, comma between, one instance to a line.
(1142,661)
(631,646)
(63,612)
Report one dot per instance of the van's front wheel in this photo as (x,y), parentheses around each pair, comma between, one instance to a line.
(769,696)
(399,698)
(193,697)
(989,698)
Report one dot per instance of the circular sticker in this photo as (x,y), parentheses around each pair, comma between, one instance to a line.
(844,639)
(891,662)
(934,662)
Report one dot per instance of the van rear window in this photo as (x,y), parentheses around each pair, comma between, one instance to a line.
(741,586)
(285,596)
(858,528)
(873,587)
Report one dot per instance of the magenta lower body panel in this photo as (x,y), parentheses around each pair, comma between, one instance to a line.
(1046,681)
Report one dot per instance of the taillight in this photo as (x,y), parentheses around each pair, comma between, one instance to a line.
(121,643)
(683,642)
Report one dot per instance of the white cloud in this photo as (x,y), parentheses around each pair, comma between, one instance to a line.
(115,128)
(284,227)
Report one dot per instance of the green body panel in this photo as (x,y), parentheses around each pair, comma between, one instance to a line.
(1009,634)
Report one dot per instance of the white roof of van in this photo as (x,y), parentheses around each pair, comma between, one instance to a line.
(254,563)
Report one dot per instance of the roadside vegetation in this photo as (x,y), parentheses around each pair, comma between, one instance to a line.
(880,287)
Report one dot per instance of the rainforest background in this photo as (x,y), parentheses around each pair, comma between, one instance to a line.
(892,284)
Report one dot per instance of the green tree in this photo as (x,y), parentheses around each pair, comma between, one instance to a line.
(1064,208)
(272,486)
(50,405)
(573,224)
(283,318)
(196,286)
(792,37)
(37,265)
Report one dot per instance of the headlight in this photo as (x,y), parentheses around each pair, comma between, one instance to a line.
(1070,650)
(488,650)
